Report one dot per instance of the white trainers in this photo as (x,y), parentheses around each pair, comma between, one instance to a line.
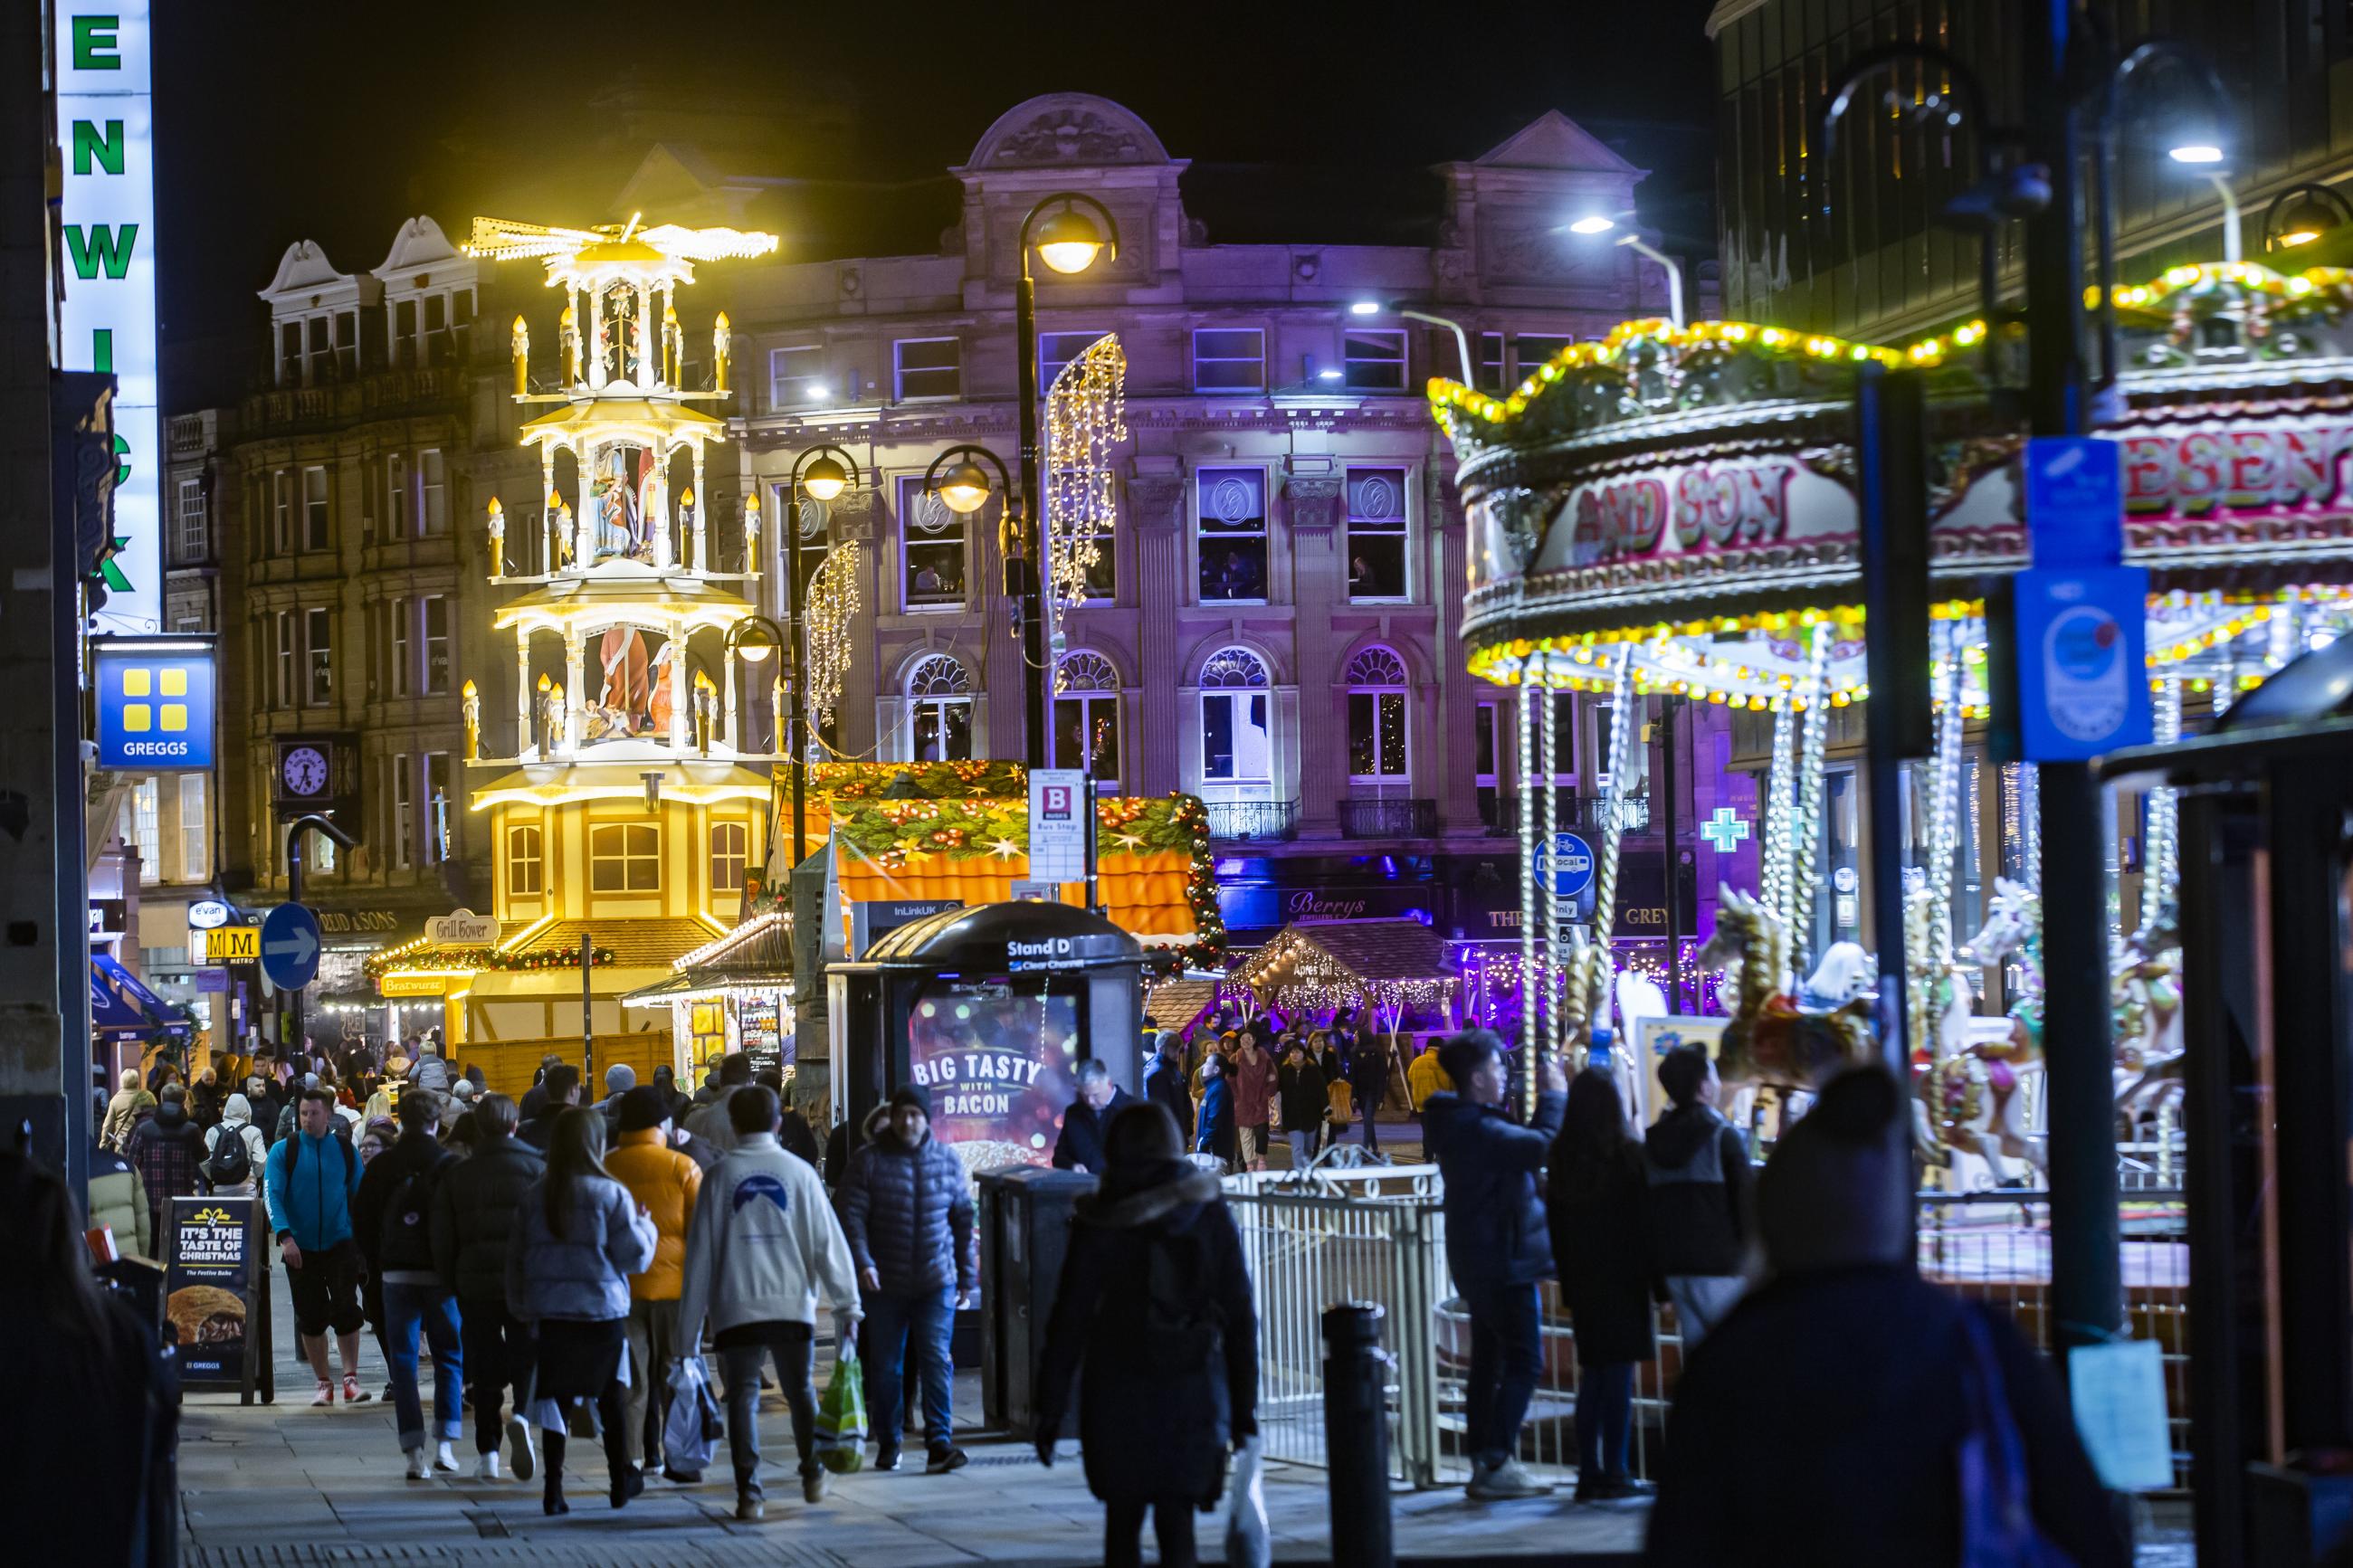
(486,1468)
(1503,1482)
(443,1458)
(525,1455)
(420,1468)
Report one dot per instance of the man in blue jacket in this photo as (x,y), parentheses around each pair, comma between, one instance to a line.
(1496,1244)
(312,1176)
(907,1208)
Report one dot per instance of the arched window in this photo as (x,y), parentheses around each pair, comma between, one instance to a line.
(523,861)
(729,842)
(1377,716)
(1236,719)
(939,708)
(1086,717)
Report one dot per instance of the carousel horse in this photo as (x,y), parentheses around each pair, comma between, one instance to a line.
(2146,1001)
(1771,1041)
(1976,1081)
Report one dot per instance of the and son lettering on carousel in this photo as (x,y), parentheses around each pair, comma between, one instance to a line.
(974,1083)
(2259,468)
(1733,502)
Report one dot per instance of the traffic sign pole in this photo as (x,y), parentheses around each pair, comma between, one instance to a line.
(290,1029)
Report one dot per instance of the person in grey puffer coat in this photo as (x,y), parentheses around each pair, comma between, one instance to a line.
(906,1205)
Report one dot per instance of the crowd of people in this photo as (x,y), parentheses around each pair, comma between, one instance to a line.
(560,1257)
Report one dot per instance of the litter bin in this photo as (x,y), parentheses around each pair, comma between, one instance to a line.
(1024,1219)
(141,1283)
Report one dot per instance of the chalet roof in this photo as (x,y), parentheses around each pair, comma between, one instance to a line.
(1363,951)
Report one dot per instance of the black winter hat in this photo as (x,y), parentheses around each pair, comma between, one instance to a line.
(914,1094)
(643,1107)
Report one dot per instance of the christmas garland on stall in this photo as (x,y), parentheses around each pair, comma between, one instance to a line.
(416,956)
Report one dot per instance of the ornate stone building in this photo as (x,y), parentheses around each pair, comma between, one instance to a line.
(1273,623)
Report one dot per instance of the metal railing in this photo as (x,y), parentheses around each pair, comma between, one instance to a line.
(1253,821)
(1378,1234)
(1576,813)
(1387,816)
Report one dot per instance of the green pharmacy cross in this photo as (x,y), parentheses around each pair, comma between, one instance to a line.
(1724,830)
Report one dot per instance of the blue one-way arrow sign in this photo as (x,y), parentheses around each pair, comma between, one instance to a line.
(289,946)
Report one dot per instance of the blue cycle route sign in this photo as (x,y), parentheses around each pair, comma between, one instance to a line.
(1568,861)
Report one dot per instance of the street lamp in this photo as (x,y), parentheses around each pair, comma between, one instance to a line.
(823,473)
(1068,240)
(1461,338)
(1599,223)
(2303,213)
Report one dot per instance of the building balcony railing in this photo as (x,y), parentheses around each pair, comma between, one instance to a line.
(378,392)
(1254,821)
(1574,813)
(1387,816)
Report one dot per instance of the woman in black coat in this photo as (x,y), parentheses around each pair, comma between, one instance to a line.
(1593,1202)
(1154,1300)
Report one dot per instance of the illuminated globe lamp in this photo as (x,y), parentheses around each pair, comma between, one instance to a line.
(965,488)
(826,478)
(1069,241)
(2304,214)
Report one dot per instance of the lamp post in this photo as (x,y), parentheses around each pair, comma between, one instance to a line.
(1068,242)
(1601,222)
(2303,213)
(1406,313)
(960,477)
(824,472)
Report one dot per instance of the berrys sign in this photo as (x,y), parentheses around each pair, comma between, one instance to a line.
(107,214)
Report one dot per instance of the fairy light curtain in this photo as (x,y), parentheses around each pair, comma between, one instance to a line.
(1086,418)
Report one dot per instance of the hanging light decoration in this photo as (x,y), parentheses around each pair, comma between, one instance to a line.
(832,607)
(1086,416)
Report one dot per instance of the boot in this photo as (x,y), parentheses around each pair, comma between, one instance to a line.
(551,1499)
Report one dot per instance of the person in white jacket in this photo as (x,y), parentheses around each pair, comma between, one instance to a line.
(763,1244)
(237,1121)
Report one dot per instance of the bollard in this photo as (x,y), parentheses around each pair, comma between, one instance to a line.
(1357,1434)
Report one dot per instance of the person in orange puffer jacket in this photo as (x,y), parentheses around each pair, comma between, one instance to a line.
(667,1183)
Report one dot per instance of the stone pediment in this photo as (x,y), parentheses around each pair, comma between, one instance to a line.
(1554,141)
(1066,130)
(420,244)
(304,268)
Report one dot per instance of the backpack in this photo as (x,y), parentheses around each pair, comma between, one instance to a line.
(230,1163)
(406,1240)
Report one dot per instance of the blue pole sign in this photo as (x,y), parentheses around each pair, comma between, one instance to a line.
(2075,502)
(1568,861)
(289,946)
(2083,684)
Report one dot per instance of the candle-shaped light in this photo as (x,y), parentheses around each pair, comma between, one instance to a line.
(522,345)
(497,526)
(752,535)
(720,339)
(673,338)
(571,334)
(470,704)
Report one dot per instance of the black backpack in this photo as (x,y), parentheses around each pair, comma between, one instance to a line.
(230,1163)
(407,1239)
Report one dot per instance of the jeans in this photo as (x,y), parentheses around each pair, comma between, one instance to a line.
(1605,1417)
(743,1365)
(500,1351)
(1172,1522)
(926,1320)
(1372,1127)
(653,1342)
(1507,1354)
(1701,1301)
(1302,1149)
(406,1309)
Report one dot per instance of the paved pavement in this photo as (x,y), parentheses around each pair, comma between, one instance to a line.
(288,1484)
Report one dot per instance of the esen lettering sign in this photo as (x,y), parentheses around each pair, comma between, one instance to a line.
(107,213)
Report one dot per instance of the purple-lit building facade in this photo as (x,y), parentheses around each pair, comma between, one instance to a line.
(1275,627)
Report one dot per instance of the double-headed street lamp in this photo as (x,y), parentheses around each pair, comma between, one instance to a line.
(821,473)
(1406,313)
(1068,241)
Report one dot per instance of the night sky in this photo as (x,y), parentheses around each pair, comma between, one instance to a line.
(277,121)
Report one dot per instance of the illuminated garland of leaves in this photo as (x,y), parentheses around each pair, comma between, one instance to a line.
(935,781)
(416,956)
(1086,414)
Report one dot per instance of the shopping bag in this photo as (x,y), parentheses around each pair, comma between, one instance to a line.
(693,1421)
(1248,1543)
(841,1417)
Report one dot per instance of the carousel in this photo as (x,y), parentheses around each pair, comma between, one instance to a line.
(631,811)
(1673,512)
